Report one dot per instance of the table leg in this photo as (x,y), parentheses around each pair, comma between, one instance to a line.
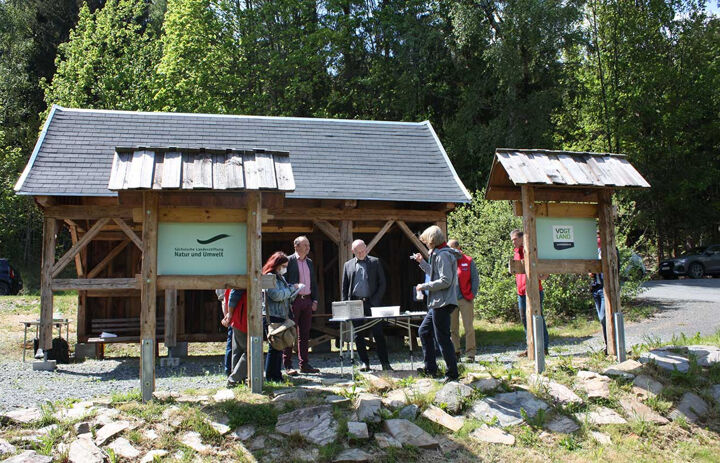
(342,373)
(24,343)
(410,341)
(352,350)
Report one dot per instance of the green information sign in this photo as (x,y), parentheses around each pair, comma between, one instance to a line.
(202,248)
(560,238)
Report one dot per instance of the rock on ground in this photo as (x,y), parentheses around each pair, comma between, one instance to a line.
(193,440)
(408,433)
(559,392)
(150,456)
(506,407)
(108,431)
(595,385)
(492,435)
(6,448)
(486,384)
(223,394)
(637,410)
(83,450)
(123,448)
(691,406)
(29,456)
(378,383)
(644,387)
(396,399)
(715,392)
(358,430)
(436,415)
(601,437)
(23,415)
(706,355)
(352,456)
(602,415)
(453,395)
(385,440)
(666,360)
(316,424)
(627,369)
(367,407)
(244,432)
(409,412)
(562,424)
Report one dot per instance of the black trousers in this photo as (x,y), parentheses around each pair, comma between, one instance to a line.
(378,335)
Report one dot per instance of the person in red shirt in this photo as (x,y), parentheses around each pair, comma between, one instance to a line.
(236,318)
(517,240)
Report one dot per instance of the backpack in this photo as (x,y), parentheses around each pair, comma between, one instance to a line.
(60,351)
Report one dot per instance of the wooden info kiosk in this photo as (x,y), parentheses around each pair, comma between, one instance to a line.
(559,195)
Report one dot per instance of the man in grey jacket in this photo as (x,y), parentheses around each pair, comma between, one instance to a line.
(442,301)
(364,279)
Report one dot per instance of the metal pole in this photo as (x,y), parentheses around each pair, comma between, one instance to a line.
(539,343)
(619,336)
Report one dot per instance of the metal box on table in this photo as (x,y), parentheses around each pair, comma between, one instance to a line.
(348,309)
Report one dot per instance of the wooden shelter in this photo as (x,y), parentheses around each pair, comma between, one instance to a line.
(563,186)
(111,178)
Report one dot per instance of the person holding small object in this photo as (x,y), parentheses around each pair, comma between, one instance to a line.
(441,302)
(277,308)
(236,320)
(222,297)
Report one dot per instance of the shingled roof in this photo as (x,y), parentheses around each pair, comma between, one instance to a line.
(331,158)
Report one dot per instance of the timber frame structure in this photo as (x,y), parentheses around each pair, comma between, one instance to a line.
(564,184)
(111,191)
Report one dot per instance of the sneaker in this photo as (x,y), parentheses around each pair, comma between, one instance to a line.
(424,372)
(387,367)
(291,372)
(309,369)
(522,354)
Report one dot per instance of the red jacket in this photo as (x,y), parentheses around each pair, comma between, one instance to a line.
(239,316)
(465,277)
(520,277)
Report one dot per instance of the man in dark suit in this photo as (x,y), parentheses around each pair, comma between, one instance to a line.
(364,279)
(301,270)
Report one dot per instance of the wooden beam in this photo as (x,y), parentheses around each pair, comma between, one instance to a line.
(358,214)
(573,194)
(550,267)
(129,232)
(170,317)
(344,248)
(107,259)
(413,239)
(50,228)
(608,252)
(565,210)
(79,246)
(85,284)
(148,293)
(254,294)
(329,230)
(78,257)
(200,282)
(532,283)
(195,214)
(376,239)
(88,212)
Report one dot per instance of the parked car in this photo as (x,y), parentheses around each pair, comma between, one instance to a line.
(696,263)
(10,279)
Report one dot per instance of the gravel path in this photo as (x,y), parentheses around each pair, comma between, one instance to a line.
(685,306)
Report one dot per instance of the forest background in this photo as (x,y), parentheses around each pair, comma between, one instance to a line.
(640,77)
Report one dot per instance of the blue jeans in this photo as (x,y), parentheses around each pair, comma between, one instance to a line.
(522,306)
(436,326)
(599,299)
(273,360)
(228,353)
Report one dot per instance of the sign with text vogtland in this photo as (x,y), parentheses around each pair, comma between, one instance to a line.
(560,238)
(202,248)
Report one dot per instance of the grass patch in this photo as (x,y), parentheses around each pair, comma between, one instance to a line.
(262,415)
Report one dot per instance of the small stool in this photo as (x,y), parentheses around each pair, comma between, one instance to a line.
(57,322)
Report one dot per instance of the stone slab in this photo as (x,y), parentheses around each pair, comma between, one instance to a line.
(336,399)
(409,412)
(486,384)
(437,415)
(666,360)
(596,386)
(452,395)
(29,456)
(691,406)
(223,395)
(715,393)
(645,386)
(492,435)
(506,407)
(601,437)
(6,448)
(193,440)
(600,416)
(408,433)
(559,392)
(352,456)
(377,383)
(637,410)
(44,365)
(83,450)
(385,440)
(123,448)
(150,456)
(367,408)
(316,424)
(397,398)
(244,432)
(627,369)
(110,430)
(562,424)
(358,430)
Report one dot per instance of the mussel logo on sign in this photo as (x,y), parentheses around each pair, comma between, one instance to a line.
(563,237)
(213,239)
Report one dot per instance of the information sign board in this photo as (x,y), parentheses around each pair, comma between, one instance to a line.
(202,248)
(567,238)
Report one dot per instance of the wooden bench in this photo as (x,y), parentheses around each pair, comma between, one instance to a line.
(126,329)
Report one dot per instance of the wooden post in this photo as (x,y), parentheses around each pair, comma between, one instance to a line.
(532,287)
(50,228)
(170,317)
(148,293)
(320,277)
(344,248)
(611,283)
(254,292)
